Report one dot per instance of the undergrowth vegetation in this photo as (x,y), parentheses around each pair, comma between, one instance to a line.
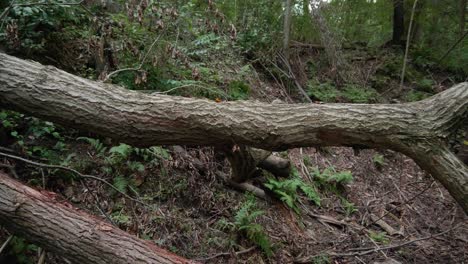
(245,223)
(221,51)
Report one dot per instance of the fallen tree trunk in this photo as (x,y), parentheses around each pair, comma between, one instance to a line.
(419,130)
(69,232)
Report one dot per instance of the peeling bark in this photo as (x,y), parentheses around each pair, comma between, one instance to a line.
(69,232)
(419,130)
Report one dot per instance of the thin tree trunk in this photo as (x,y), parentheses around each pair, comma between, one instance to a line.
(398,21)
(408,39)
(419,129)
(416,33)
(287,28)
(79,237)
(463,4)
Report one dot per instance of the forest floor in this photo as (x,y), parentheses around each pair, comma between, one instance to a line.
(390,211)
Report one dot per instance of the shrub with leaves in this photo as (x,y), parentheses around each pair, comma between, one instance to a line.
(30,27)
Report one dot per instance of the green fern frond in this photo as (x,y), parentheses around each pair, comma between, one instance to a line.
(123,150)
(261,240)
(311,193)
(95,143)
(287,191)
(342,178)
(120,183)
(245,221)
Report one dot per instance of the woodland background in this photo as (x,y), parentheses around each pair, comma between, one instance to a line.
(337,201)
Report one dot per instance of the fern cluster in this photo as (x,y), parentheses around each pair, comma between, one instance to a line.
(287,191)
(331,179)
(120,160)
(245,222)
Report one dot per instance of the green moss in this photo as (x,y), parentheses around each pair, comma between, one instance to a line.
(425,85)
(358,94)
(325,92)
(239,90)
(413,96)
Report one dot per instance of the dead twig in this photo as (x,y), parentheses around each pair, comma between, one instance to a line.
(98,203)
(294,78)
(366,251)
(5,243)
(228,254)
(393,209)
(11,168)
(385,226)
(42,256)
(453,47)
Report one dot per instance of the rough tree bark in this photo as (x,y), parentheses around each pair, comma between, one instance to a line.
(69,232)
(419,130)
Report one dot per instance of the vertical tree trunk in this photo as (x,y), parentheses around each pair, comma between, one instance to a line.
(416,33)
(305,8)
(463,4)
(287,28)
(398,21)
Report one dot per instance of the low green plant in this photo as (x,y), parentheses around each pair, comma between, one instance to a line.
(121,183)
(245,222)
(358,94)
(288,191)
(22,250)
(20,127)
(413,96)
(425,85)
(321,259)
(121,218)
(239,90)
(153,153)
(332,180)
(379,237)
(96,144)
(325,92)
(349,207)
(378,160)
(307,161)
(119,153)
